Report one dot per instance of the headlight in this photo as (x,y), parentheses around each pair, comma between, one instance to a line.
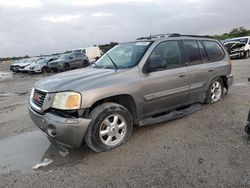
(67,101)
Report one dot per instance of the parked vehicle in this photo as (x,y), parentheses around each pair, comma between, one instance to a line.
(40,66)
(22,66)
(93,53)
(238,47)
(69,61)
(247,127)
(15,65)
(138,83)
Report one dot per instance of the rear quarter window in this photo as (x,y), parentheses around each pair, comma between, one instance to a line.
(214,50)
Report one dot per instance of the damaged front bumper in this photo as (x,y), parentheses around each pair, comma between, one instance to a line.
(237,54)
(66,131)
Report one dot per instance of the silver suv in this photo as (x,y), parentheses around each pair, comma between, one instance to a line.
(150,80)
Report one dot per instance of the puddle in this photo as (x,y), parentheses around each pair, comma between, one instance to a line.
(26,150)
(5,75)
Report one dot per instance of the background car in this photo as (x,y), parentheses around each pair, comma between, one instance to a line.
(15,65)
(40,66)
(22,66)
(69,61)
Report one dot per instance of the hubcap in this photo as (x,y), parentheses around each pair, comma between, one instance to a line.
(216,91)
(113,130)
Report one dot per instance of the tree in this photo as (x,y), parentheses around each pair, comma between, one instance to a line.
(239,32)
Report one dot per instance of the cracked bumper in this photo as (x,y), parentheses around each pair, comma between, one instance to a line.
(66,131)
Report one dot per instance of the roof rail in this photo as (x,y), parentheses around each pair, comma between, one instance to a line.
(172,35)
(180,35)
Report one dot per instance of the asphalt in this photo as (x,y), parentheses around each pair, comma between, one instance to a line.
(208,148)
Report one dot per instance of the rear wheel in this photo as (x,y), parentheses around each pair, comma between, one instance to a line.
(111,126)
(85,63)
(215,91)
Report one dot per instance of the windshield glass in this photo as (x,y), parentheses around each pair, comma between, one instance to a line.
(242,40)
(42,61)
(123,55)
(64,56)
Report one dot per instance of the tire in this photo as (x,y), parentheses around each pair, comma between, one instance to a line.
(247,129)
(66,67)
(85,63)
(215,91)
(247,54)
(45,70)
(103,134)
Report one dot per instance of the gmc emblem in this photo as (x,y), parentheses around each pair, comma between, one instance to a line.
(37,97)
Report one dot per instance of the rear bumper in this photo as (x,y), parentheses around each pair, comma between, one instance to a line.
(65,131)
(230,79)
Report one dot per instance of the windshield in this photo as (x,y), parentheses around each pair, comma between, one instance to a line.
(64,56)
(123,56)
(242,40)
(42,61)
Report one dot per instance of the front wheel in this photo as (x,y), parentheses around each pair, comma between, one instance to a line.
(111,126)
(215,91)
(66,67)
(247,54)
(45,70)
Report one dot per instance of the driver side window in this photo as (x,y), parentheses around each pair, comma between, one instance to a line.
(166,55)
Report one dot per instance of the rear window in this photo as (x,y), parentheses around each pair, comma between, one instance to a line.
(192,51)
(214,50)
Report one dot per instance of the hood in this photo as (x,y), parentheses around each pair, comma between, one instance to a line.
(24,64)
(234,45)
(73,80)
(58,61)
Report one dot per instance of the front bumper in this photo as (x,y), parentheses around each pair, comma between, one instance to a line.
(237,54)
(66,131)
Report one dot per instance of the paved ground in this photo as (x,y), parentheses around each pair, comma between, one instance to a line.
(205,149)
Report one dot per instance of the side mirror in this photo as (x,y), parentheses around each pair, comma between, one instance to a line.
(154,64)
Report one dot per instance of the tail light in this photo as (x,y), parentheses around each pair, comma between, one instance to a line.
(230,64)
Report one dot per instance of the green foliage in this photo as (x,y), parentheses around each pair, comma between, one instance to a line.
(107,47)
(235,32)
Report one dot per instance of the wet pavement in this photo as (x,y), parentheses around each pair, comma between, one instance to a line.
(27,150)
(5,75)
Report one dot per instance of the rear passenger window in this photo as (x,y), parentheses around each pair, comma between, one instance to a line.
(203,52)
(192,52)
(214,50)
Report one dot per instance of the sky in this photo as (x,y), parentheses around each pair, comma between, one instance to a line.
(34,27)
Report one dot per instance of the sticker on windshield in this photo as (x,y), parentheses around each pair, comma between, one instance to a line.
(142,43)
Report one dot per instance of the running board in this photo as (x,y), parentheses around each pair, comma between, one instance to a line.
(171,115)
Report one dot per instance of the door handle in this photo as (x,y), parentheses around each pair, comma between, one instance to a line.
(211,69)
(181,75)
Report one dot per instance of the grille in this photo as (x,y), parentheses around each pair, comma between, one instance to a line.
(39,97)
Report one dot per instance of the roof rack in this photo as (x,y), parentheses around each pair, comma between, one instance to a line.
(180,35)
(172,35)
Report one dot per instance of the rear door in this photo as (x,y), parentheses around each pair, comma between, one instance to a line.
(201,70)
(166,87)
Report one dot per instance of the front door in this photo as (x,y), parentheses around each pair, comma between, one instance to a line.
(165,87)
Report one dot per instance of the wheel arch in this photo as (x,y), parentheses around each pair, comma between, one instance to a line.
(125,100)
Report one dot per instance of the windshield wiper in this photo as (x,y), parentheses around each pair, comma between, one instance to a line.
(112,61)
